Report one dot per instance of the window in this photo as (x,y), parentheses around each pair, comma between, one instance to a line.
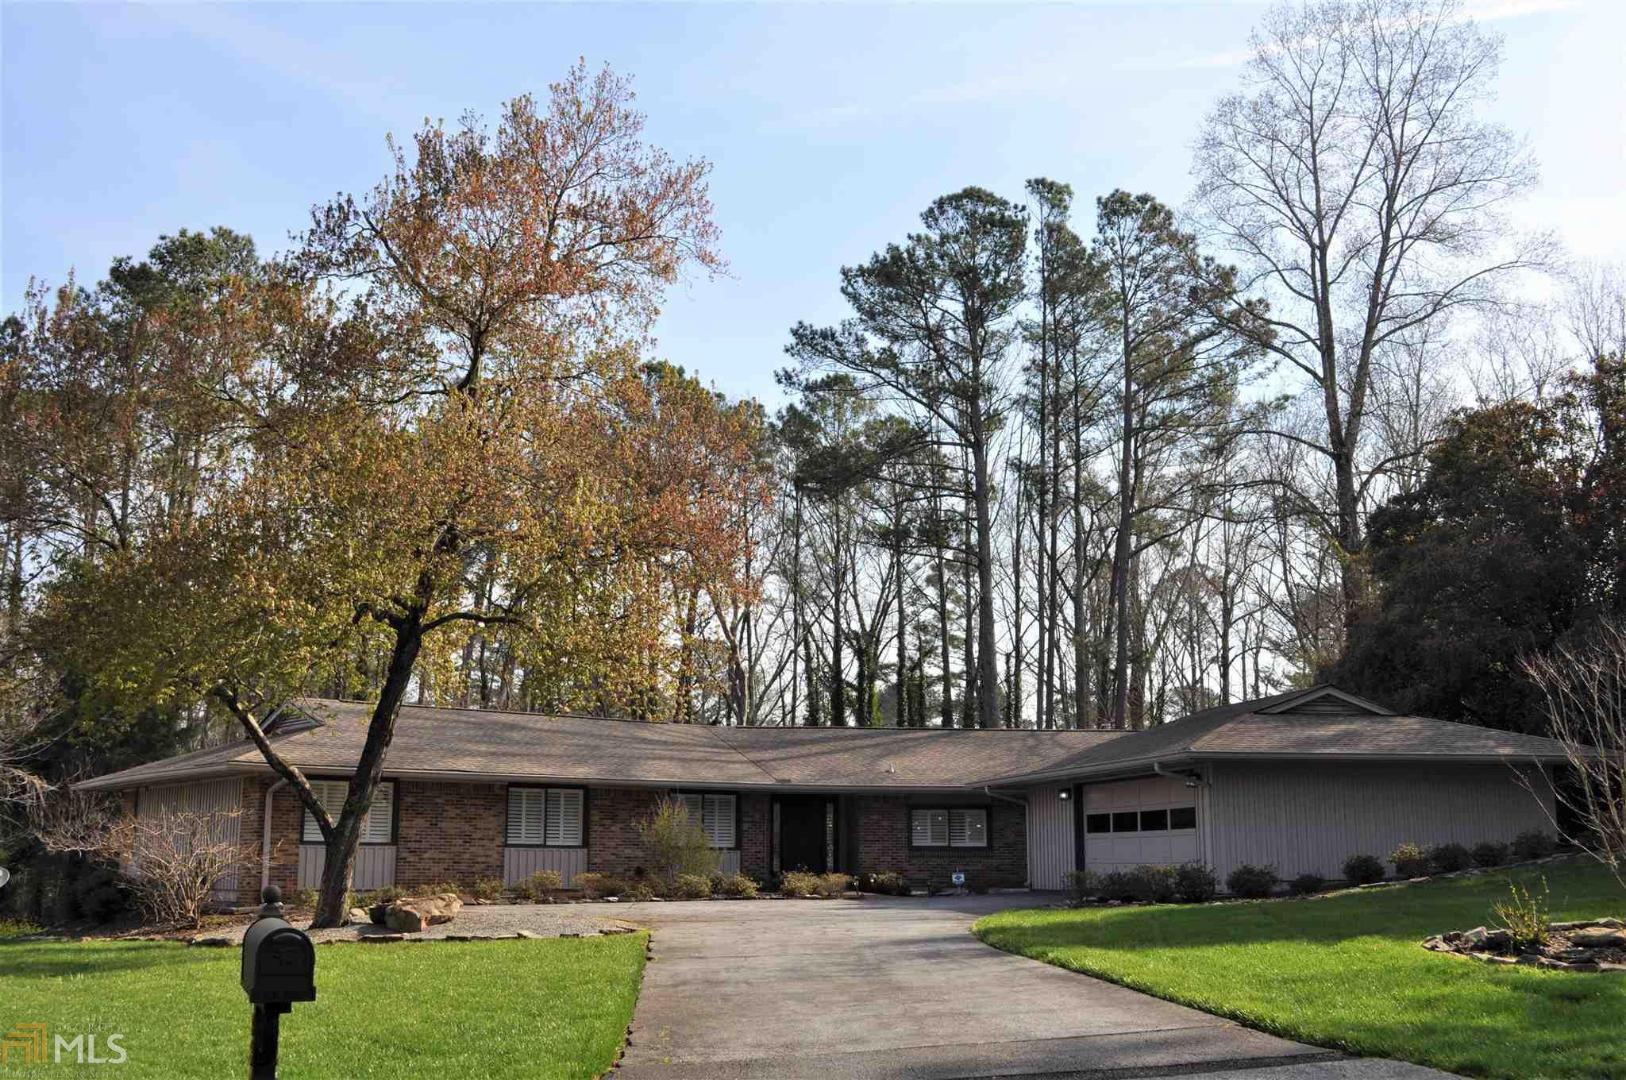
(1154,821)
(962,828)
(715,815)
(1183,817)
(377,825)
(1097,823)
(1125,821)
(545,817)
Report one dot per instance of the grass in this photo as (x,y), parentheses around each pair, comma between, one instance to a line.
(1347,971)
(549,1008)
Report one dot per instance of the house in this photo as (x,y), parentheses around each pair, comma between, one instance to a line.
(1301,780)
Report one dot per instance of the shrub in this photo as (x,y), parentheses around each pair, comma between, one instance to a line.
(99,892)
(1081,885)
(1525,914)
(1363,869)
(542,885)
(388,894)
(691,887)
(1410,861)
(834,884)
(1449,858)
(735,886)
(1195,883)
(1534,844)
(886,882)
(435,888)
(1251,882)
(676,843)
(637,890)
(797,883)
(15,928)
(1489,853)
(1115,885)
(1151,884)
(489,888)
(1306,884)
(595,886)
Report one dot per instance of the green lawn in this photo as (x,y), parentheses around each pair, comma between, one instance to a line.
(465,1010)
(1347,971)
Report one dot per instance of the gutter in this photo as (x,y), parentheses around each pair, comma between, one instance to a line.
(992,794)
(265,835)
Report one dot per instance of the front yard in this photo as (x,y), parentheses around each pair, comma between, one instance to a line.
(483,1009)
(1348,971)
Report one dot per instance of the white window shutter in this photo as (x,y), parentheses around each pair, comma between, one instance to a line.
(930,828)
(378,826)
(330,794)
(968,828)
(718,820)
(956,828)
(564,818)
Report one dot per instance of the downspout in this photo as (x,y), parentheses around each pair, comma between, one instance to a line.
(1027,825)
(265,835)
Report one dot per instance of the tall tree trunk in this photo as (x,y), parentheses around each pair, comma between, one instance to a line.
(1123,547)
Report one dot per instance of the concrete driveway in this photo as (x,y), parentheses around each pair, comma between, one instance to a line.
(893,988)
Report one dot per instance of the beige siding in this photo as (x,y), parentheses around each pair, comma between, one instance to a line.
(375,866)
(221,798)
(519,863)
(1308,818)
(1050,837)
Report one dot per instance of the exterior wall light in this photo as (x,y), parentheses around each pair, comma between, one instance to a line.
(1064,794)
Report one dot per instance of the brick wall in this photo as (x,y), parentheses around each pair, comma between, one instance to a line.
(881,830)
(755,824)
(449,832)
(285,824)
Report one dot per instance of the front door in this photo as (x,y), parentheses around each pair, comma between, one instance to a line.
(805,834)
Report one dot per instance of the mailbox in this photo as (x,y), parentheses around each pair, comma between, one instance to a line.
(279,963)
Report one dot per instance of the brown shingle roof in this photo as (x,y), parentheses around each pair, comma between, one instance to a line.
(471,743)
(484,744)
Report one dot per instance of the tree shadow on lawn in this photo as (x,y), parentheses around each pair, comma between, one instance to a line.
(60,959)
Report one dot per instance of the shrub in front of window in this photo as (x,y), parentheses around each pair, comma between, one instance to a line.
(1363,869)
(596,886)
(1080,885)
(1195,883)
(798,883)
(1489,854)
(1306,884)
(676,843)
(1251,882)
(1534,844)
(540,886)
(1449,858)
(1410,861)
(735,887)
(638,889)
(691,887)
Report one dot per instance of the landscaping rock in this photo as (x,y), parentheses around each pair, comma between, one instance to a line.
(411,914)
(1601,938)
(212,942)
(383,938)
(359,915)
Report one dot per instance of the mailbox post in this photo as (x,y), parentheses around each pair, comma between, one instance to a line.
(279,968)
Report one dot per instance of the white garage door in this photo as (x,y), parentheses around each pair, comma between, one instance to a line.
(1150,822)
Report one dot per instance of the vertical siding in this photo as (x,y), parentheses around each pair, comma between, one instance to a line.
(1050,837)
(222,798)
(1309,818)
(519,863)
(375,866)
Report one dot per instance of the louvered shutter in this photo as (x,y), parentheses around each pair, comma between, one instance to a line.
(564,818)
(378,826)
(968,828)
(718,820)
(330,793)
(929,828)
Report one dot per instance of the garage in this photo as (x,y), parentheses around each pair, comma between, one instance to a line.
(1145,822)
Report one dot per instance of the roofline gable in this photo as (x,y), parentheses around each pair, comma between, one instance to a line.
(1321,693)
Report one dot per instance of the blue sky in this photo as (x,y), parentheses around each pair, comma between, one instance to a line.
(829,126)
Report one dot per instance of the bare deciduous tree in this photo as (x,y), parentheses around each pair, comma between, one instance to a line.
(1353,179)
(1583,688)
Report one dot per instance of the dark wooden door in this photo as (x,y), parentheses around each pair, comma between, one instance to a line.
(802,835)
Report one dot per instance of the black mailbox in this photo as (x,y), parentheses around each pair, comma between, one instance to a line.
(279,963)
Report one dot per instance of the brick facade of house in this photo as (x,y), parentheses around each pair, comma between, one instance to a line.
(455,832)
(880,829)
